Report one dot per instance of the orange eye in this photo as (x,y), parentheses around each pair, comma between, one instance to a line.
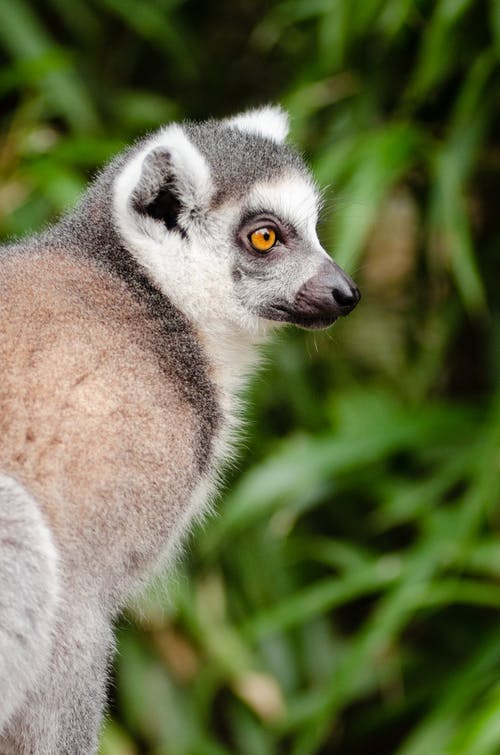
(263,239)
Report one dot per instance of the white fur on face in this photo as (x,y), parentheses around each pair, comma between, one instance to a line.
(181,267)
(196,271)
(145,234)
(271,122)
(294,199)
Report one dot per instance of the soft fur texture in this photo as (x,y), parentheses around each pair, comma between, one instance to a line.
(126,332)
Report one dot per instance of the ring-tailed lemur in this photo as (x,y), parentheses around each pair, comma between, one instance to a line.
(126,331)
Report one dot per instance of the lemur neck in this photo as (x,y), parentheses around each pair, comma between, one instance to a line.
(233,358)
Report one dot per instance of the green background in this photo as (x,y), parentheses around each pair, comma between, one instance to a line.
(345,599)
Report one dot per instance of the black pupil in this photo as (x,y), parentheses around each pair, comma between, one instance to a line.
(266,235)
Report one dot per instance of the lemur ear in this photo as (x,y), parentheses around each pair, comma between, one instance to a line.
(157,193)
(270,122)
(168,180)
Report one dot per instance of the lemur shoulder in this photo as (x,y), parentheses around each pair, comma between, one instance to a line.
(126,331)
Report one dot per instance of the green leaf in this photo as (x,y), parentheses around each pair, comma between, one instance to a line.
(26,39)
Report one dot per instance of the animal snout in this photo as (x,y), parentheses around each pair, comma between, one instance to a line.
(330,292)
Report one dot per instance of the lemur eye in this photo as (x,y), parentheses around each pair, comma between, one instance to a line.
(263,239)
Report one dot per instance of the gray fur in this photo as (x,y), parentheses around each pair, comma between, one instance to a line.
(117,398)
(175,346)
(238,159)
(28,596)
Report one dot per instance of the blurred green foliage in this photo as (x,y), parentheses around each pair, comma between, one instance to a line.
(346,597)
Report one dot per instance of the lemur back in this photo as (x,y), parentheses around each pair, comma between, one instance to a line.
(126,333)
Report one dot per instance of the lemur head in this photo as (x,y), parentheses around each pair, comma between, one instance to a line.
(223,215)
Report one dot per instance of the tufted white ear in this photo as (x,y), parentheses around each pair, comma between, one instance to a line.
(168,179)
(270,121)
(189,166)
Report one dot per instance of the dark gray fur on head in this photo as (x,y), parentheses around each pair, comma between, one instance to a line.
(238,159)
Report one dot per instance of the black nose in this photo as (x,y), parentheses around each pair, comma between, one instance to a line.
(346,297)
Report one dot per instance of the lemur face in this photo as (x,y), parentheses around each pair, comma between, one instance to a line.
(280,270)
(223,216)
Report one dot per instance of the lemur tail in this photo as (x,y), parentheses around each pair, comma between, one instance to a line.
(28,594)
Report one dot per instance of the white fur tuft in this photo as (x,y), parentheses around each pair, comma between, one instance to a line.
(145,236)
(191,168)
(193,182)
(270,122)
